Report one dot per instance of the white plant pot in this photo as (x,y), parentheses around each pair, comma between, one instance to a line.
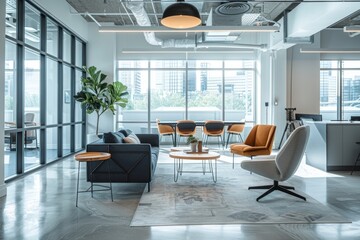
(193,146)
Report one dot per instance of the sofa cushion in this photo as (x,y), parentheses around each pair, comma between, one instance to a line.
(113,137)
(132,138)
(125,132)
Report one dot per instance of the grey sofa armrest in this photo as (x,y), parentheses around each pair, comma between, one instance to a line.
(153,139)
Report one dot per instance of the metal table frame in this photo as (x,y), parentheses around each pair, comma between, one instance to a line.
(179,158)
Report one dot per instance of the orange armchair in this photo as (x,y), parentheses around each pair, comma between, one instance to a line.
(165,130)
(185,128)
(258,142)
(213,128)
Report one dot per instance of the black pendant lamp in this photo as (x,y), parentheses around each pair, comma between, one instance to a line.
(181,15)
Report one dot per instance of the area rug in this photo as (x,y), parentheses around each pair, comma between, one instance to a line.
(196,199)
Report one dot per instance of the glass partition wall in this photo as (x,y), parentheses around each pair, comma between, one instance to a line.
(195,89)
(43,66)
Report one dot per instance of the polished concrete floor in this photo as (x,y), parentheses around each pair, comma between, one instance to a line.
(42,206)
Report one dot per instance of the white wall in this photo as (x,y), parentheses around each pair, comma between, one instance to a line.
(264,88)
(296,84)
(2,90)
(101,53)
(304,79)
(279,99)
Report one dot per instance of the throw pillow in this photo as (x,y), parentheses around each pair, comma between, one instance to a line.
(111,137)
(125,132)
(132,138)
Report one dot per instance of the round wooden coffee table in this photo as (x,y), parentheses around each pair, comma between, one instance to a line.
(92,157)
(179,158)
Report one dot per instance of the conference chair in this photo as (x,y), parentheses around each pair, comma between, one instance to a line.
(283,166)
(214,128)
(185,128)
(258,142)
(165,130)
(235,129)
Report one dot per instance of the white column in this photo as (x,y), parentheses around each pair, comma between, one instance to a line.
(2,90)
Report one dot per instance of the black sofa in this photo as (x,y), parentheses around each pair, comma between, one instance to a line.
(134,163)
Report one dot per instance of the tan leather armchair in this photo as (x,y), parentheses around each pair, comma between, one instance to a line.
(165,130)
(235,129)
(258,142)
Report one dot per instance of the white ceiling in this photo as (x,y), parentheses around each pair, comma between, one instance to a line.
(114,12)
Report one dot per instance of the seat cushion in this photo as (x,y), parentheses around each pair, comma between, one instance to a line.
(246,150)
(264,167)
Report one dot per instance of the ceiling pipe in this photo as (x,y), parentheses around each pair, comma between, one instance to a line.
(143,20)
(231,45)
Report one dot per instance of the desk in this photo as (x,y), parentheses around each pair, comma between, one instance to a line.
(332,145)
(198,123)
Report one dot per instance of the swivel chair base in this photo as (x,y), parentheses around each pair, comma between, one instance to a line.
(274,187)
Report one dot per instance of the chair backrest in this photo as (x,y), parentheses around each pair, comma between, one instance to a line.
(29,117)
(185,126)
(289,157)
(261,135)
(239,128)
(163,128)
(214,127)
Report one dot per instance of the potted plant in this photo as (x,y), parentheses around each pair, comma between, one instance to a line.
(99,96)
(193,142)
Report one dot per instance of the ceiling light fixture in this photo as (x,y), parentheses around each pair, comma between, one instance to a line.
(139,29)
(181,15)
(329,50)
(354,28)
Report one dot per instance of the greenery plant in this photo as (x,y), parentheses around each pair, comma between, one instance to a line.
(99,96)
(192,139)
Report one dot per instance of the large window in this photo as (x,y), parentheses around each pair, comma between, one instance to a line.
(194,89)
(42,121)
(339,89)
(32,26)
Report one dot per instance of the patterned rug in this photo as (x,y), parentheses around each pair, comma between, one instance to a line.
(195,199)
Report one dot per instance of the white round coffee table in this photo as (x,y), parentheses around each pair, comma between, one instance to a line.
(179,158)
(182,149)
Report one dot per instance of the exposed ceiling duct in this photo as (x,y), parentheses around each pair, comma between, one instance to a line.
(233,8)
(142,18)
(305,21)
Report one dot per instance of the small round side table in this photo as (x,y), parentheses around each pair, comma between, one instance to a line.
(93,157)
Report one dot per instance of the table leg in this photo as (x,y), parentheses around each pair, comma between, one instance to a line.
(176,169)
(203,162)
(213,170)
(108,164)
(91,186)
(77,185)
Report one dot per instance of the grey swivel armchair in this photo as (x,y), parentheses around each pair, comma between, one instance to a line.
(284,164)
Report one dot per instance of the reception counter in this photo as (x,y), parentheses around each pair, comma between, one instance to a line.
(332,145)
